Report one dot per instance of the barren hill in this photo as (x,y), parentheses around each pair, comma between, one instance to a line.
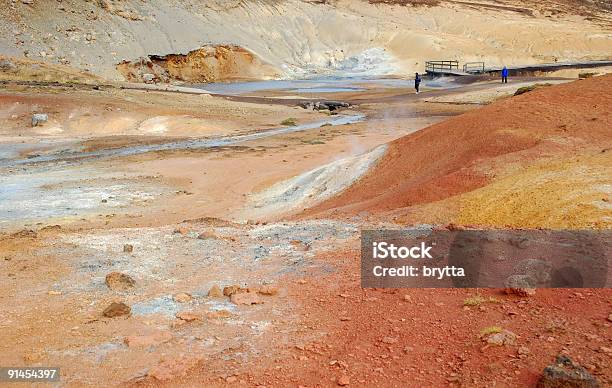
(297,38)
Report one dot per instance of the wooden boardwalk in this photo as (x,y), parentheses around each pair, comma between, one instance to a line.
(451,68)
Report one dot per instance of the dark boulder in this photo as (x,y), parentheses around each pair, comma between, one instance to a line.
(564,373)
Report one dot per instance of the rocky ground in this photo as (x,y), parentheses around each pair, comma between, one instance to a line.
(175,238)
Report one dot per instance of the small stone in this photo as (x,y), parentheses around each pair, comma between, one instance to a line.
(268,290)
(117,309)
(407,298)
(246,298)
(128,248)
(344,380)
(215,292)
(523,351)
(181,230)
(207,236)
(231,290)
(505,337)
(118,281)
(231,379)
(389,340)
(55,293)
(300,245)
(520,285)
(39,119)
(187,316)
(610,318)
(183,297)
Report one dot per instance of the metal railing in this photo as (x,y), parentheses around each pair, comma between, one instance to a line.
(473,67)
(435,66)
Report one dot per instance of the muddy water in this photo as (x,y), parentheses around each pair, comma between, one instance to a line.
(191,144)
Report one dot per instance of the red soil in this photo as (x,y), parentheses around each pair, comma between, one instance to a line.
(417,337)
(456,156)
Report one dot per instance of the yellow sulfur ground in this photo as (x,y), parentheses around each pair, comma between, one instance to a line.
(568,193)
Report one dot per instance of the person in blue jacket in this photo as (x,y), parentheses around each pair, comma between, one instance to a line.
(417,82)
(504,75)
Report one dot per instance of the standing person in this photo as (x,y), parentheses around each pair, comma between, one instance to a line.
(505,75)
(417,82)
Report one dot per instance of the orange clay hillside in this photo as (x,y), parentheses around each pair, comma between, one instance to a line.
(542,159)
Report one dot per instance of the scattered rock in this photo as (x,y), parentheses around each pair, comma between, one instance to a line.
(246,298)
(324,105)
(118,281)
(181,230)
(565,373)
(231,290)
(145,341)
(117,309)
(521,285)
(299,245)
(610,318)
(183,297)
(268,290)
(389,340)
(343,380)
(128,248)
(309,105)
(207,236)
(187,316)
(215,291)
(505,337)
(39,119)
